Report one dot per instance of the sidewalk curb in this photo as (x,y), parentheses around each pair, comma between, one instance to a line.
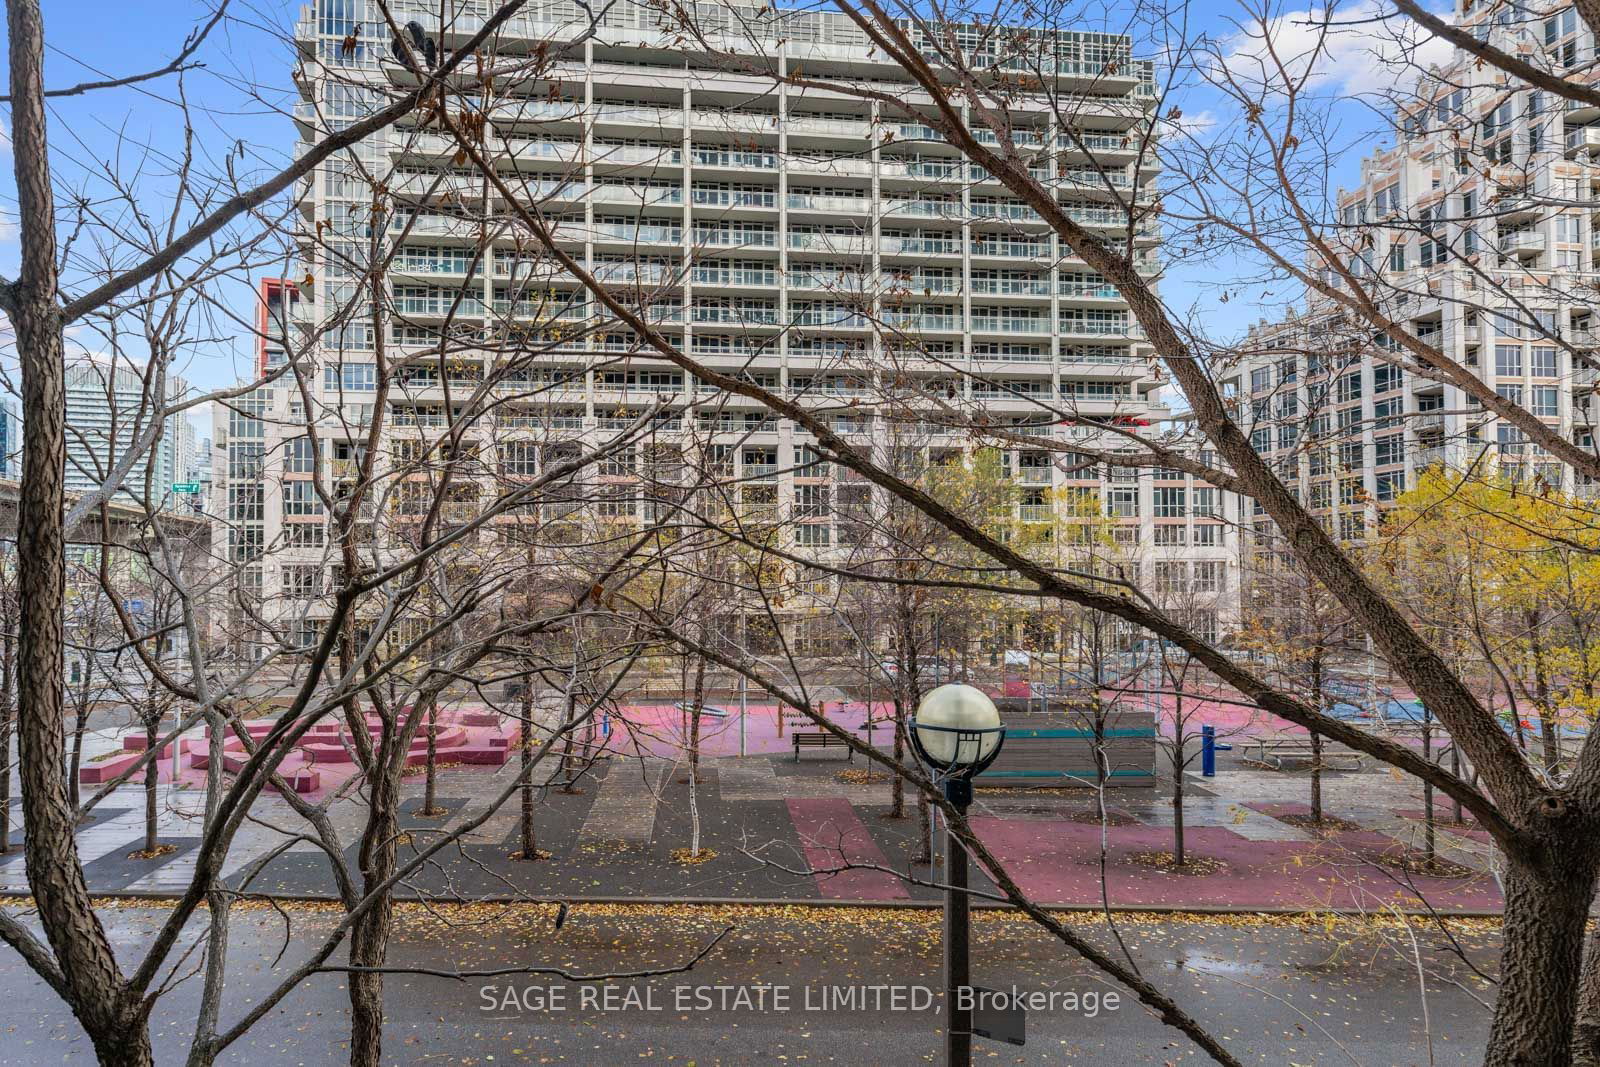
(1196,910)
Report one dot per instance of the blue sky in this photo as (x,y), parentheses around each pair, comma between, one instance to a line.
(240,95)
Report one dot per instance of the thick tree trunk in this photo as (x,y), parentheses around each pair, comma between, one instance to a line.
(7,662)
(95,986)
(369,935)
(1546,912)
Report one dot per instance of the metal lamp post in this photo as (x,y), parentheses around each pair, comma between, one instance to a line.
(956,733)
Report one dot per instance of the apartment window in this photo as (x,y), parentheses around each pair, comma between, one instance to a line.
(1321,496)
(1512,393)
(1544,401)
(1397,256)
(298,456)
(519,459)
(350,377)
(1122,502)
(1385,377)
(245,503)
(1390,486)
(1170,576)
(1386,413)
(1208,576)
(1205,501)
(303,534)
(1508,360)
(1348,387)
(1352,456)
(1543,363)
(1387,450)
(1208,534)
(1168,536)
(244,543)
(1260,379)
(300,498)
(1170,502)
(245,460)
(302,581)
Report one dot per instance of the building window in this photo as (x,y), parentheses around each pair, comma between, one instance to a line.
(298,457)
(1544,401)
(350,377)
(300,498)
(1390,486)
(1208,576)
(1543,363)
(1170,502)
(1171,535)
(1508,360)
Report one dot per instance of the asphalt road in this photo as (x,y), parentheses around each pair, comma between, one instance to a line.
(796,986)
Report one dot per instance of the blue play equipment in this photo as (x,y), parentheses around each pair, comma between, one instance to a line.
(1208,751)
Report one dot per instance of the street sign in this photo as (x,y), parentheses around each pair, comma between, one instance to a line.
(185,487)
(997,1017)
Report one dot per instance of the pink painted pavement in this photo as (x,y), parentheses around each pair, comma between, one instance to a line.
(831,834)
(1057,861)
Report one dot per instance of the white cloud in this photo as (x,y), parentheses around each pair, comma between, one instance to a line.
(1354,48)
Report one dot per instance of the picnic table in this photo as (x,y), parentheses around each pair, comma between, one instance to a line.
(1273,751)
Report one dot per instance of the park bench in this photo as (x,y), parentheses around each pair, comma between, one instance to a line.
(819,739)
(1275,751)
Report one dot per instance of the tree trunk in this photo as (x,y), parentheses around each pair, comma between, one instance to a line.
(1546,912)
(897,788)
(152,779)
(530,844)
(369,934)
(1316,777)
(7,657)
(95,986)
(567,785)
(1178,857)
(1549,740)
(1316,741)
(694,754)
(1428,823)
(430,785)
(80,726)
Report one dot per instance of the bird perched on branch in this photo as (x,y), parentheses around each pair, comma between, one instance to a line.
(421,45)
